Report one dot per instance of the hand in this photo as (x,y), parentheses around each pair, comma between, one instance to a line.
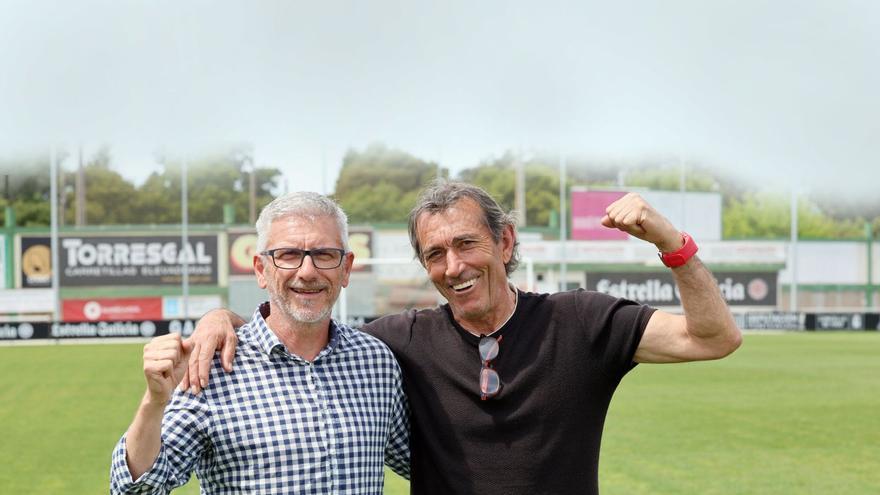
(165,360)
(633,215)
(215,331)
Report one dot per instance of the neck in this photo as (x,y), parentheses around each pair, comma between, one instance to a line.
(494,321)
(305,340)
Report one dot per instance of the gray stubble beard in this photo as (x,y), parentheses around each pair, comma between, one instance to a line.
(298,315)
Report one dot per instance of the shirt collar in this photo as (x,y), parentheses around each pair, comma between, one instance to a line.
(266,340)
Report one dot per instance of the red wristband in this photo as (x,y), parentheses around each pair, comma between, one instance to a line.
(680,257)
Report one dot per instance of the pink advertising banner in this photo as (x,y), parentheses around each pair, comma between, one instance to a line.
(587,210)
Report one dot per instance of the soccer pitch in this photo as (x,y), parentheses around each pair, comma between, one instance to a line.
(788,413)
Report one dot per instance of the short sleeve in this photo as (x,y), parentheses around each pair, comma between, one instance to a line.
(614,327)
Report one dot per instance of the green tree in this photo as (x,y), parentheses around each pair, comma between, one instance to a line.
(859,208)
(108,195)
(498,178)
(380,184)
(763,215)
(212,182)
(110,198)
(669,179)
(28,189)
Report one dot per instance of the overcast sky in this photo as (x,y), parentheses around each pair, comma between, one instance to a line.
(774,89)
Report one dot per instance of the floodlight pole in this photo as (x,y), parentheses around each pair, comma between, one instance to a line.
(869,287)
(682,190)
(53,208)
(519,192)
(80,185)
(563,225)
(792,269)
(9,224)
(252,195)
(184,238)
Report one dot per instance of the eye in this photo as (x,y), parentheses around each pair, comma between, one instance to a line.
(288,254)
(468,243)
(433,256)
(324,254)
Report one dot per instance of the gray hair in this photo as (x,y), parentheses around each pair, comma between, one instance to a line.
(442,194)
(301,204)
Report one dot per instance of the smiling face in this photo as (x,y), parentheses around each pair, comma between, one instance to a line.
(304,295)
(466,264)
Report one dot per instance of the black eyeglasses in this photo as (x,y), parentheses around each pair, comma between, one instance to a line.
(292,258)
(490,382)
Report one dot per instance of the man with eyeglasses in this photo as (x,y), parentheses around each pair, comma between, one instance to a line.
(313,406)
(509,390)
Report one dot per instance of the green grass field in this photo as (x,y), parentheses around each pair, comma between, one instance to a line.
(787,414)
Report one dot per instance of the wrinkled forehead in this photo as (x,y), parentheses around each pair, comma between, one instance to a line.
(462,218)
(304,230)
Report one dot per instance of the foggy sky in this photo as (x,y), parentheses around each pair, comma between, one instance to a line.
(783,91)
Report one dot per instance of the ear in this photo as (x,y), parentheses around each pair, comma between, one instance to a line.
(260,271)
(508,239)
(347,262)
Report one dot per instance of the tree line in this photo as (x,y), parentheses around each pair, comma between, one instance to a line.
(379,184)
(214,183)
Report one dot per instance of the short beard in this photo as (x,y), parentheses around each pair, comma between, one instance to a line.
(298,315)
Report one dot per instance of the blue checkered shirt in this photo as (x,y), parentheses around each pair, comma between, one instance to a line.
(281,424)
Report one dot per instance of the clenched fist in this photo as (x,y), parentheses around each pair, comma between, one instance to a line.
(165,362)
(633,215)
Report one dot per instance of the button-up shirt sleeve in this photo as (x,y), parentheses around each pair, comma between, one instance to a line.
(397,447)
(185,442)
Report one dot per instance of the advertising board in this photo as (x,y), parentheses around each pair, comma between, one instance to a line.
(119,260)
(36,263)
(587,210)
(112,309)
(659,289)
(841,321)
(771,320)
(24,301)
(243,246)
(99,329)
(698,213)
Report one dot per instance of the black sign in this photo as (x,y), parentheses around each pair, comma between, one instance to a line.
(841,321)
(659,289)
(100,329)
(121,260)
(36,262)
(768,321)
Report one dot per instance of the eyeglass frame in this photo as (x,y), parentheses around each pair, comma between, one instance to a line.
(486,364)
(305,252)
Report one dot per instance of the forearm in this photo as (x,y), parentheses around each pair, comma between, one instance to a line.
(221,316)
(707,329)
(707,314)
(143,439)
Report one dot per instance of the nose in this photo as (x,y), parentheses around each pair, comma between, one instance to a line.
(454,264)
(307,270)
